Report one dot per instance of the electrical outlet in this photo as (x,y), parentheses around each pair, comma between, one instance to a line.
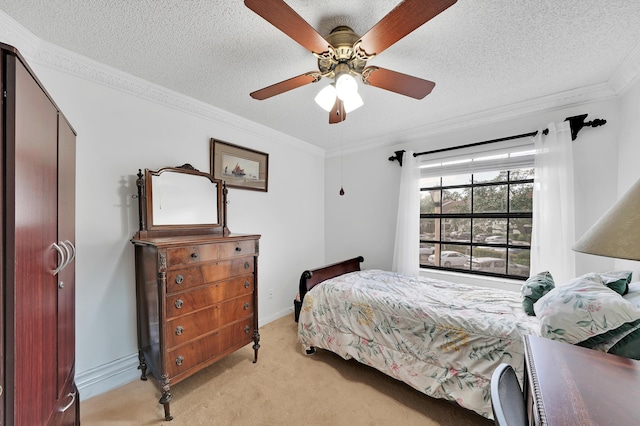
(270,293)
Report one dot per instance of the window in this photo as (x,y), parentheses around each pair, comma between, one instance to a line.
(479,223)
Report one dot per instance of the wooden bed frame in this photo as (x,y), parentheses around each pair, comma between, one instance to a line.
(312,278)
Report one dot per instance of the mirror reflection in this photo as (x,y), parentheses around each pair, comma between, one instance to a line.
(183,199)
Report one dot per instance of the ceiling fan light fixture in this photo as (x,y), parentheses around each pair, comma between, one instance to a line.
(346,86)
(326,97)
(352,102)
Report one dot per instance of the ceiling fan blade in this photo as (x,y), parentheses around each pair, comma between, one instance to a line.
(397,82)
(406,17)
(283,17)
(285,86)
(337,113)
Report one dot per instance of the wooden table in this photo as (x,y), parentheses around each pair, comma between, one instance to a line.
(571,385)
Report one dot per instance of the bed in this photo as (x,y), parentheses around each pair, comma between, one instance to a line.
(441,338)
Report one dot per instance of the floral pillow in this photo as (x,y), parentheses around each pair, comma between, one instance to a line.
(617,281)
(582,309)
(534,288)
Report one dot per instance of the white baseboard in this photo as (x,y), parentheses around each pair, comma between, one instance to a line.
(107,377)
(121,371)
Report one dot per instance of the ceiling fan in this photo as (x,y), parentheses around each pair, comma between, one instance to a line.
(344,54)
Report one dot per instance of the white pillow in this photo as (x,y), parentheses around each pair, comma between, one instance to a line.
(582,309)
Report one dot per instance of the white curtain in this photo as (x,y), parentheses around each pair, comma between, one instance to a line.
(553,232)
(406,253)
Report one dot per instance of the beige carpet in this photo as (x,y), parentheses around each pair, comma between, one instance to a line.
(285,387)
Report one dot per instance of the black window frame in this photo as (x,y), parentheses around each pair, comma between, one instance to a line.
(508,215)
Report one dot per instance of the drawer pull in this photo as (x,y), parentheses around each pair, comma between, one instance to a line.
(179,360)
(247,329)
(246,265)
(179,330)
(179,279)
(194,255)
(246,305)
(246,284)
(238,249)
(178,303)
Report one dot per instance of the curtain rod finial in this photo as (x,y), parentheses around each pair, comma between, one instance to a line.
(577,123)
(398,156)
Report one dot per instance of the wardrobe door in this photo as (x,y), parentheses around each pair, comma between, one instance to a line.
(34,298)
(66,277)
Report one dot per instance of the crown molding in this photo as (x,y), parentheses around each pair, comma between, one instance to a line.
(622,80)
(597,92)
(55,57)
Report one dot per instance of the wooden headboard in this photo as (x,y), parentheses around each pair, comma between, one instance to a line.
(313,277)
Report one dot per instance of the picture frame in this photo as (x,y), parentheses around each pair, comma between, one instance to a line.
(239,167)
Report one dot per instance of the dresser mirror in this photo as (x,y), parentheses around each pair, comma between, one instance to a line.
(180,200)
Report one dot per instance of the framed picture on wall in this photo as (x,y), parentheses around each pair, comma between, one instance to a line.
(239,167)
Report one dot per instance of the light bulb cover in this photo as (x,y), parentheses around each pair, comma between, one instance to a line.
(346,85)
(352,102)
(326,98)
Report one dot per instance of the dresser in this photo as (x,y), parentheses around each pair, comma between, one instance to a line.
(570,385)
(197,298)
(37,280)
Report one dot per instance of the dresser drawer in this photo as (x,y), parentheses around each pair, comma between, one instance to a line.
(193,300)
(238,248)
(188,255)
(197,275)
(181,330)
(226,339)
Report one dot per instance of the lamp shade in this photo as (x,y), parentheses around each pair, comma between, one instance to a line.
(326,97)
(617,232)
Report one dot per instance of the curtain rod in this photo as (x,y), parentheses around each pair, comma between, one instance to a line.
(576,123)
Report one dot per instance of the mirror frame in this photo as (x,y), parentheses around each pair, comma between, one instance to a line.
(145,195)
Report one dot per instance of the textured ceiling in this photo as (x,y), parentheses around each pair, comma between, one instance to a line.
(486,57)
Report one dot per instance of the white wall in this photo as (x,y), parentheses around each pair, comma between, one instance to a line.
(125,124)
(629,155)
(363,221)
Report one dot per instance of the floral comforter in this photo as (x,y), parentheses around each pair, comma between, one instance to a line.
(441,338)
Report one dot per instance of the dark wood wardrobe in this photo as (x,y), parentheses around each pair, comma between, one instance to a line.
(37,282)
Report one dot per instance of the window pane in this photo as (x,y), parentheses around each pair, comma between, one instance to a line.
(429,228)
(520,174)
(521,197)
(485,260)
(426,250)
(429,182)
(487,251)
(495,176)
(456,201)
(454,256)
(464,179)
(520,231)
(456,230)
(490,199)
(519,263)
(430,201)
(485,228)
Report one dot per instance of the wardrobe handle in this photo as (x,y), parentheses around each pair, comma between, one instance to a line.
(62,259)
(73,399)
(73,250)
(63,244)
